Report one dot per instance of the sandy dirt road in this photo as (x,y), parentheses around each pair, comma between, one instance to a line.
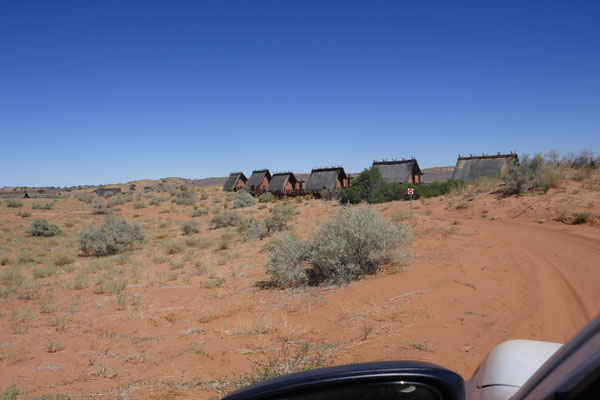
(559,270)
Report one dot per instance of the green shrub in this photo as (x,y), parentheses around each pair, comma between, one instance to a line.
(14,203)
(203,195)
(226,218)
(43,206)
(12,392)
(184,201)
(184,195)
(155,201)
(63,259)
(281,214)
(348,246)
(266,197)
(44,272)
(116,201)
(243,199)
(25,214)
(190,227)
(113,236)
(42,227)
(286,255)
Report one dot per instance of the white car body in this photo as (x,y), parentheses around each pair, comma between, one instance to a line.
(507,368)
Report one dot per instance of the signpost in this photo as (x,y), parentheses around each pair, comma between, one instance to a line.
(411,191)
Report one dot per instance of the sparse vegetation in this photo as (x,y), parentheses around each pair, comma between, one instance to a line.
(190,227)
(113,236)
(582,218)
(14,203)
(350,245)
(12,280)
(226,218)
(42,227)
(266,197)
(99,207)
(43,206)
(243,199)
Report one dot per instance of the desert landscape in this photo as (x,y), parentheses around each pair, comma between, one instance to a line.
(188,312)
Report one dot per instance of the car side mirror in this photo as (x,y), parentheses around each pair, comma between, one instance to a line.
(394,380)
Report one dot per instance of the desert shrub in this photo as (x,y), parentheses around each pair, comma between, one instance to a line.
(14,203)
(25,214)
(12,392)
(532,173)
(12,280)
(139,204)
(203,195)
(200,212)
(116,201)
(286,255)
(43,206)
(99,207)
(224,241)
(44,272)
(251,229)
(243,199)
(266,197)
(42,227)
(173,248)
(113,236)
(190,227)
(63,259)
(226,218)
(184,195)
(86,198)
(280,215)
(350,245)
(582,218)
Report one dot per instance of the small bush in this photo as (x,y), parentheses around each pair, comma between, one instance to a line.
(113,236)
(86,198)
(43,206)
(252,230)
(44,272)
(173,248)
(532,173)
(582,218)
(284,264)
(24,214)
(190,227)
(12,280)
(99,207)
(348,246)
(281,214)
(226,218)
(266,197)
(200,212)
(116,201)
(63,259)
(139,204)
(243,199)
(42,227)
(14,203)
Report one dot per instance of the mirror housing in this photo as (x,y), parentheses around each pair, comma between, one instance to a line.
(429,380)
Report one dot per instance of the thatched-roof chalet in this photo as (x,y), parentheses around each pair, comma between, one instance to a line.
(399,171)
(331,179)
(235,181)
(284,183)
(436,174)
(259,181)
(484,166)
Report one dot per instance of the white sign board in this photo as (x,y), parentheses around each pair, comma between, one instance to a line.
(411,191)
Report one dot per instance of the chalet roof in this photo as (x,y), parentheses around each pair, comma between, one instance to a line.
(473,167)
(278,181)
(233,179)
(257,177)
(398,170)
(436,174)
(325,178)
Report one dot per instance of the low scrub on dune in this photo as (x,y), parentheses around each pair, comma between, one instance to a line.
(226,218)
(113,236)
(347,247)
(243,199)
(42,227)
(14,203)
(533,173)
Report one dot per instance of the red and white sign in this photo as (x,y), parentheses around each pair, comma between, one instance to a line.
(411,191)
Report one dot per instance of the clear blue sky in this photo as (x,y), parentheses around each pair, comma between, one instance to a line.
(96,92)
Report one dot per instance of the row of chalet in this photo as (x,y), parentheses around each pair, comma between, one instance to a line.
(333,179)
